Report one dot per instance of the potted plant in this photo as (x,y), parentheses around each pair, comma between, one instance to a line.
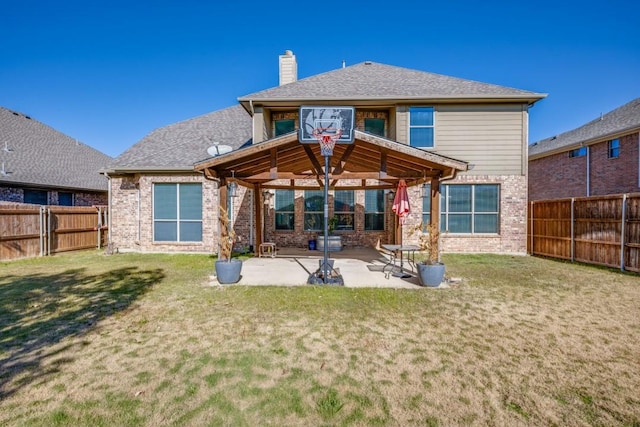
(430,269)
(227,269)
(334,240)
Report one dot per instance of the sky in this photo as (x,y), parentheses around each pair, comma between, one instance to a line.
(109,73)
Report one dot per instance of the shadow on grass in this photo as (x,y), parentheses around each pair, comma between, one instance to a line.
(38,311)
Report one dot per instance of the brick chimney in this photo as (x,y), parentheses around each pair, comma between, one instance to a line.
(288,68)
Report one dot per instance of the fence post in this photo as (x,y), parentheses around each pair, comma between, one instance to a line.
(573,235)
(622,230)
(99,226)
(41,230)
(49,231)
(531,230)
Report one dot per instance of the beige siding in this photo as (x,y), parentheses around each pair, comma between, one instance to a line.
(402,124)
(259,127)
(490,137)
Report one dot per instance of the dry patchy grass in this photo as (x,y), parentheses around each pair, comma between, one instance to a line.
(87,339)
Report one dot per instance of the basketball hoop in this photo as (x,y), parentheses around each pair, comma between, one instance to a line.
(327,137)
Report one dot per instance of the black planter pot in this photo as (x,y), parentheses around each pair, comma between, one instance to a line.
(431,274)
(228,271)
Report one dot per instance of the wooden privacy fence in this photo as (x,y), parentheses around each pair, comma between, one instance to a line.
(596,230)
(29,231)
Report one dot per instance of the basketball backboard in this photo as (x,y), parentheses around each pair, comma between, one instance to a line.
(329,118)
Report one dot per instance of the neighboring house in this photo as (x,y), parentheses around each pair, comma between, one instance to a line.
(599,158)
(40,165)
(460,145)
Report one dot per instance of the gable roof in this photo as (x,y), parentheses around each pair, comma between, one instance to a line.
(38,155)
(622,120)
(371,81)
(178,146)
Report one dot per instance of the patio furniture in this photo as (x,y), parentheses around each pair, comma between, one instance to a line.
(399,252)
(267,249)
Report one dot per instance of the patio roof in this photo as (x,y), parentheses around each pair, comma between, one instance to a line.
(370,157)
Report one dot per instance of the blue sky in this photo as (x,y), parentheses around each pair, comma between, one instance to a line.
(108,73)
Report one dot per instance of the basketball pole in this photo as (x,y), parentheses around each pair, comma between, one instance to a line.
(325,262)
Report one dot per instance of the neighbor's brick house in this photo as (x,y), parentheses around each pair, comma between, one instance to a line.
(599,158)
(461,140)
(40,165)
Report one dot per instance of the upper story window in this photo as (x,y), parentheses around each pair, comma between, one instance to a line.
(421,127)
(284,126)
(37,197)
(285,210)
(374,126)
(578,152)
(614,148)
(177,212)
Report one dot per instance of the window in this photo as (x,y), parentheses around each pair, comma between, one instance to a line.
(285,210)
(426,207)
(614,148)
(470,208)
(373,210)
(374,126)
(421,127)
(37,197)
(313,210)
(344,208)
(578,152)
(284,126)
(65,199)
(177,212)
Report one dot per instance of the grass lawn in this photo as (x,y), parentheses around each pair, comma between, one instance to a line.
(143,340)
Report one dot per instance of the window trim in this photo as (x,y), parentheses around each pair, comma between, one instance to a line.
(320,227)
(445,212)
(177,220)
(432,126)
(351,213)
(377,213)
(613,148)
(276,211)
(578,152)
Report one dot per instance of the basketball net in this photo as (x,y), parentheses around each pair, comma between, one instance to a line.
(327,137)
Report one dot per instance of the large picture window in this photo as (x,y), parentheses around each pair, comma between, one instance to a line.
(344,208)
(285,210)
(421,127)
(374,210)
(177,212)
(470,209)
(313,210)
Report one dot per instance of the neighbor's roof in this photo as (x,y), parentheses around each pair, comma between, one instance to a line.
(180,145)
(619,121)
(36,154)
(371,80)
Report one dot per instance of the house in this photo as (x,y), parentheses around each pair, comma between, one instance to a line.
(598,158)
(460,146)
(40,165)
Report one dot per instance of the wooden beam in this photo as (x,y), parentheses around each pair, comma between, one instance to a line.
(314,160)
(273,168)
(258,209)
(343,160)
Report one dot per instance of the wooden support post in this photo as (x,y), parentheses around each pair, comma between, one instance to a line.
(258,204)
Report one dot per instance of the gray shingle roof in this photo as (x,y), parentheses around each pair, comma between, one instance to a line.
(370,80)
(180,145)
(37,154)
(614,122)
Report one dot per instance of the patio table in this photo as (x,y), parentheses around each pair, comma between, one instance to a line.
(396,252)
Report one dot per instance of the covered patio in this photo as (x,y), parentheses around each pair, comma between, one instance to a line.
(370,162)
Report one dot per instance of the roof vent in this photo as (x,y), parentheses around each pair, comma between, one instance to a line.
(367,62)
(6,147)
(4,171)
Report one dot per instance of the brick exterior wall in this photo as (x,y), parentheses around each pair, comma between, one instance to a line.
(132,214)
(557,176)
(512,236)
(617,175)
(16,194)
(560,176)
